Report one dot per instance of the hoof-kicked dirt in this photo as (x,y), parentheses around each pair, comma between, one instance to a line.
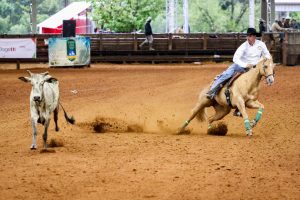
(220,129)
(124,143)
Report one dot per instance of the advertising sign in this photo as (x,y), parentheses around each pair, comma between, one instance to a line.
(17,48)
(69,51)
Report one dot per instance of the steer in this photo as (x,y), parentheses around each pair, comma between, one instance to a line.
(44,99)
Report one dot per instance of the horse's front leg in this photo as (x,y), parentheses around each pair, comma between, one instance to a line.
(256,105)
(241,106)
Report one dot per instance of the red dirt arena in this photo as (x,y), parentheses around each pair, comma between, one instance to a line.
(140,156)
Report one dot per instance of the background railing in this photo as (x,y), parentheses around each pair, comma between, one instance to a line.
(118,47)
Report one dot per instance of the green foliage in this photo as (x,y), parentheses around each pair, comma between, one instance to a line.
(221,15)
(129,15)
(295,15)
(4,25)
(125,15)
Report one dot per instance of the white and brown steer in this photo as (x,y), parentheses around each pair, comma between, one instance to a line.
(44,99)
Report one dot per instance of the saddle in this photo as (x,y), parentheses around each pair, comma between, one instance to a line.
(229,83)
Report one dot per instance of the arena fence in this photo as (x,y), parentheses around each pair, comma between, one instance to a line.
(194,47)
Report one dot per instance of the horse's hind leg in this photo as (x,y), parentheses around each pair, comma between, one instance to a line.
(198,110)
(256,105)
(55,113)
(221,112)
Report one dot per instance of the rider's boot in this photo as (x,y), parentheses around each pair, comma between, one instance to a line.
(213,92)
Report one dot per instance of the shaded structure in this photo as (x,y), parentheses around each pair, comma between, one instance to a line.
(75,11)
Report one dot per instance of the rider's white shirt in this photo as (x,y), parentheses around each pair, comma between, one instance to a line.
(250,54)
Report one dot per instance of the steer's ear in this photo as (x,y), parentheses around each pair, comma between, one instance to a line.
(51,79)
(25,79)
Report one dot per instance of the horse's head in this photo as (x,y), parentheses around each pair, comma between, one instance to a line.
(266,69)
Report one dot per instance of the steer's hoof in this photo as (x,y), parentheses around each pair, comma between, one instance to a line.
(56,129)
(33,147)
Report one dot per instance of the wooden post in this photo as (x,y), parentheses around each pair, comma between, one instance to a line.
(100,43)
(285,49)
(18,65)
(205,38)
(135,42)
(170,42)
(264,9)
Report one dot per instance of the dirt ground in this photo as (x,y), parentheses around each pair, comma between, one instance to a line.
(152,162)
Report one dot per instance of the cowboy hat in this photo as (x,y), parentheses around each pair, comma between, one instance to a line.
(252,31)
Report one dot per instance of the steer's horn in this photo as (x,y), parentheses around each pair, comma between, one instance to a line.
(45,73)
(29,72)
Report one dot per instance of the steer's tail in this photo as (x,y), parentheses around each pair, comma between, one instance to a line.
(71,119)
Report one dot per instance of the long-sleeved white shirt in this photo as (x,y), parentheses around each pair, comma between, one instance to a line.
(250,54)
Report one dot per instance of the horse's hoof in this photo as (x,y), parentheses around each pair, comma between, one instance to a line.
(249,133)
(33,147)
(57,129)
(253,123)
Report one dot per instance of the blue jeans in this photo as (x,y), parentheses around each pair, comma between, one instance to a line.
(226,75)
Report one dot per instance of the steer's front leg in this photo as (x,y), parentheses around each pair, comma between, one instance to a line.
(45,136)
(34,118)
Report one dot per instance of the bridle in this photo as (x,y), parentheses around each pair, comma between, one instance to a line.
(264,68)
(266,76)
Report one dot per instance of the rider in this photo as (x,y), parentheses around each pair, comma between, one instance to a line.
(245,57)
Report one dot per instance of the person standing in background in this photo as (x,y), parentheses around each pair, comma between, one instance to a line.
(148,34)
(262,26)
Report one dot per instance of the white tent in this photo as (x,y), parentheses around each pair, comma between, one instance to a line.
(72,11)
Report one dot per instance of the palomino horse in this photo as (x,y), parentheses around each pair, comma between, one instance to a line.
(243,93)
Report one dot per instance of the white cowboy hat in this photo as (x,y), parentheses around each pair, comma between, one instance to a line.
(149,19)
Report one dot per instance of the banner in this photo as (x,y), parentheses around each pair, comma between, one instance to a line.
(69,51)
(18,48)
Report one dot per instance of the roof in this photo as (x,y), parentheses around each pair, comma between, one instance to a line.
(67,13)
(287,1)
(287,5)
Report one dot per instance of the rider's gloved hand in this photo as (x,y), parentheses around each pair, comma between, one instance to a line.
(249,66)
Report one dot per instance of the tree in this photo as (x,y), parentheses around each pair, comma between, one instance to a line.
(220,15)
(125,15)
